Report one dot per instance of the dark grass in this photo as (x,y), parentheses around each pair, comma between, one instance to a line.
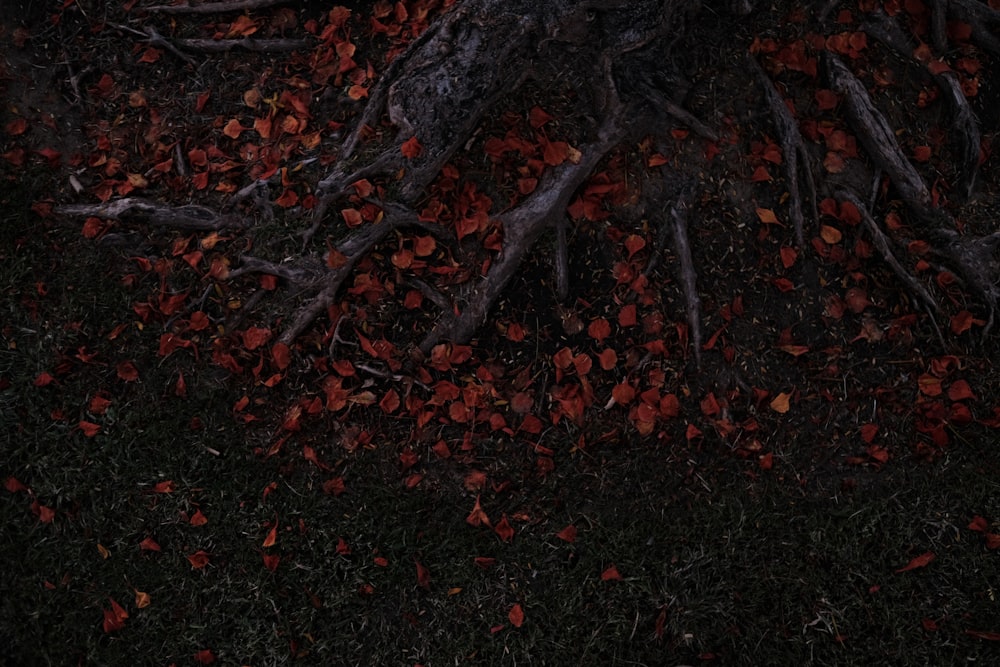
(720,562)
(791,566)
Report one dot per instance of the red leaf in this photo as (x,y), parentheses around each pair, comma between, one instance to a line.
(599,329)
(826,99)
(114,618)
(516,616)
(272,536)
(254,337)
(611,574)
(960,390)
(271,561)
(423,576)
(44,379)
(538,117)
(992,541)
(198,559)
(166,486)
(89,429)
(149,544)
(567,534)
(127,371)
(13,485)
(44,514)
(198,519)
(504,529)
(923,560)
(204,656)
(281,355)
(484,562)
(477,517)
(978,524)
(980,634)
(411,148)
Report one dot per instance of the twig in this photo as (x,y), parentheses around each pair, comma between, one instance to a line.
(214,7)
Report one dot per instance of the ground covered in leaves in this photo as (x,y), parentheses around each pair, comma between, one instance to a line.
(569,488)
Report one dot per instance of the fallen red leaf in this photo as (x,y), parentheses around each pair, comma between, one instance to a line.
(516,616)
(411,148)
(923,560)
(567,534)
(149,544)
(114,618)
(204,656)
(423,575)
(198,559)
(477,517)
(611,573)
(504,530)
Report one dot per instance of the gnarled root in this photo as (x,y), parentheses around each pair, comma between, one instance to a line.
(190,217)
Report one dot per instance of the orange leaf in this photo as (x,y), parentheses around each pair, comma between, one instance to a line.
(780,403)
(233,129)
(767,216)
(516,616)
(142,599)
(830,234)
(923,560)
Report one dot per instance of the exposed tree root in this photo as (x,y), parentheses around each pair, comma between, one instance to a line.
(191,216)
(877,136)
(214,7)
(521,228)
(686,271)
(974,259)
(438,91)
(793,148)
(884,247)
(965,130)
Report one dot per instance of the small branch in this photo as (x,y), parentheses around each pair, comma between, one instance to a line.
(191,216)
(686,271)
(214,7)
(248,43)
(882,243)
(562,260)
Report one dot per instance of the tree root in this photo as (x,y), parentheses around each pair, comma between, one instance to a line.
(521,227)
(793,148)
(190,217)
(214,7)
(883,244)
(974,260)
(877,136)
(686,271)
(965,130)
